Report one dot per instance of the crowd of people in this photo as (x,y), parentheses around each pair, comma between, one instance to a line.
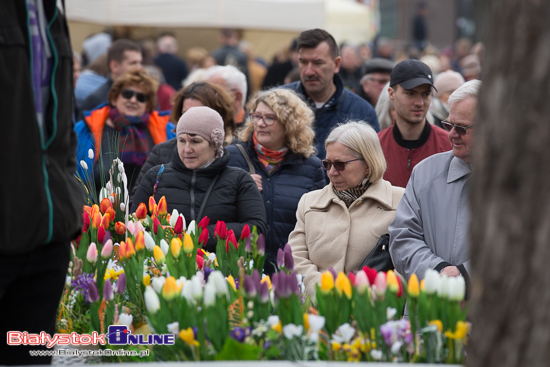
(332,149)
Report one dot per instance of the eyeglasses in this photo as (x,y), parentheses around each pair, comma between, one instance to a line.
(128,94)
(460,130)
(379,81)
(339,166)
(268,119)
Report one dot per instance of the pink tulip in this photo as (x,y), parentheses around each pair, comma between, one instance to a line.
(361,281)
(380,284)
(107,250)
(91,255)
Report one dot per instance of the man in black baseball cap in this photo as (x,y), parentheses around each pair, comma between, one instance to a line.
(411,138)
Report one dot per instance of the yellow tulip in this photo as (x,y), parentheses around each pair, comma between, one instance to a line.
(231,281)
(413,286)
(188,244)
(306,321)
(335,346)
(188,337)
(267,280)
(278,328)
(146,280)
(170,290)
(327,282)
(437,323)
(342,284)
(422,282)
(175,247)
(391,281)
(159,255)
(461,331)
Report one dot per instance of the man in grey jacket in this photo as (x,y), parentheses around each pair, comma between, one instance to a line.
(430,229)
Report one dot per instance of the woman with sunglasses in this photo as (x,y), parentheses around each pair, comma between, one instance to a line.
(341,224)
(278,152)
(128,122)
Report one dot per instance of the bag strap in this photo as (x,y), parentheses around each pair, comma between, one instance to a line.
(247,158)
(208,191)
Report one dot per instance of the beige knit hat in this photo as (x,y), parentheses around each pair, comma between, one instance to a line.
(447,81)
(205,122)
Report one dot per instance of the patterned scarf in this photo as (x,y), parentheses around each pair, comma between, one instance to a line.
(134,144)
(350,195)
(271,159)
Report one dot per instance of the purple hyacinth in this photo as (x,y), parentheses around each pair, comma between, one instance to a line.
(108,294)
(293,283)
(120,285)
(256,278)
(289,260)
(93,293)
(280,258)
(261,244)
(238,334)
(264,292)
(82,285)
(248,245)
(249,287)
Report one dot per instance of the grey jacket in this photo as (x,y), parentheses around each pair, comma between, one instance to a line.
(430,229)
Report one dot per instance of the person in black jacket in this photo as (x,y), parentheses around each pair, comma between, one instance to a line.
(199,183)
(194,95)
(279,145)
(40,197)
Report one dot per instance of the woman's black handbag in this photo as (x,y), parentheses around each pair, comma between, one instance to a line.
(379,258)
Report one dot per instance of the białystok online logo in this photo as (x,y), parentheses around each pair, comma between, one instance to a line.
(117,335)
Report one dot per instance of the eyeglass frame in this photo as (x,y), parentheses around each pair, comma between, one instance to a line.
(138,95)
(457,128)
(262,117)
(325,161)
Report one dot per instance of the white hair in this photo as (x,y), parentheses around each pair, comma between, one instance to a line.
(233,78)
(167,45)
(383,107)
(467,90)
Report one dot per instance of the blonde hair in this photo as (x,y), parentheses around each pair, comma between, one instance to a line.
(361,138)
(291,111)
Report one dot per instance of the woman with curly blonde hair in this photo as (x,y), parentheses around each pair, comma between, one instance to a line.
(278,152)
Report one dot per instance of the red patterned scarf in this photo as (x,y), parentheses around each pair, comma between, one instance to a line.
(271,159)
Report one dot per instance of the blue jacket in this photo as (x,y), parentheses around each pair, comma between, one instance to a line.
(92,126)
(281,192)
(342,107)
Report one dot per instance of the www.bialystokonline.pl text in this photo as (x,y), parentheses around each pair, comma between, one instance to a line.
(87,353)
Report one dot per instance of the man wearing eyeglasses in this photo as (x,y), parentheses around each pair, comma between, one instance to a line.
(377,73)
(411,139)
(430,229)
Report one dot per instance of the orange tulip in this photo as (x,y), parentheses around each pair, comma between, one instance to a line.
(88,209)
(140,241)
(111,213)
(105,220)
(120,228)
(96,220)
(152,205)
(122,249)
(130,250)
(162,207)
(105,204)
(141,212)
(95,209)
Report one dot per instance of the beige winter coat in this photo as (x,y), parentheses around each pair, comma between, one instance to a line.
(328,234)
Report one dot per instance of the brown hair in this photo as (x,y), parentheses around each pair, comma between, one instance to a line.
(313,37)
(138,78)
(116,50)
(210,95)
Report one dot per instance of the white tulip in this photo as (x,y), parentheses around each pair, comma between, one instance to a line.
(219,282)
(174,328)
(125,319)
(376,354)
(431,281)
(316,322)
(396,347)
(192,227)
(443,290)
(68,280)
(122,207)
(291,330)
(184,222)
(149,241)
(209,294)
(390,313)
(196,287)
(158,283)
(181,281)
(103,193)
(119,178)
(346,331)
(274,320)
(121,167)
(91,153)
(174,217)
(84,165)
(164,246)
(139,228)
(187,292)
(457,288)
(212,257)
(109,187)
(152,302)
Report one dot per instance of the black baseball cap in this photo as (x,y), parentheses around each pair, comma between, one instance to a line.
(411,73)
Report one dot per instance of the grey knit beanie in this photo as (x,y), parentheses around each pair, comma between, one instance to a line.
(205,122)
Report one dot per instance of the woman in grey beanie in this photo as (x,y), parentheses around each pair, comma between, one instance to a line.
(199,183)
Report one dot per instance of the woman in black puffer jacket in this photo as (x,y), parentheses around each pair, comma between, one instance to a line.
(198,162)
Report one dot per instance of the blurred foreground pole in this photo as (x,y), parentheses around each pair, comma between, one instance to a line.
(510,308)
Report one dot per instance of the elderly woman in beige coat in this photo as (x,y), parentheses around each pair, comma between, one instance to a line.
(340,224)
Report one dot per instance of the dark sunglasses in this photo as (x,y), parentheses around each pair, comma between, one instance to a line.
(128,94)
(339,166)
(460,130)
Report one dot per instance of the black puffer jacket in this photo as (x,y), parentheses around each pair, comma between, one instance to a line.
(235,198)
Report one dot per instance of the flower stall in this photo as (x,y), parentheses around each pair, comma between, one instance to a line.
(147,271)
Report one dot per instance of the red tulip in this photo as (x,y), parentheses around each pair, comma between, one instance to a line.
(231,238)
(162,207)
(221,230)
(156,224)
(200,261)
(203,239)
(204,223)
(100,234)
(178,228)
(105,204)
(371,274)
(351,278)
(246,232)
(85,222)
(141,212)
(120,228)
(88,209)
(152,205)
